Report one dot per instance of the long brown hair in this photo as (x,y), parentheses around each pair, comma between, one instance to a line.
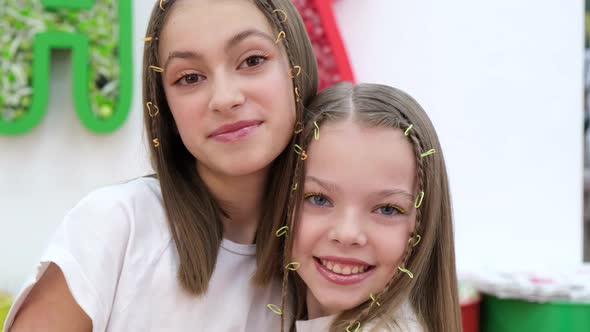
(194,216)
(433,290)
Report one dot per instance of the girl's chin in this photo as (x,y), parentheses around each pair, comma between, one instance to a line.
(235,167)
(332,305)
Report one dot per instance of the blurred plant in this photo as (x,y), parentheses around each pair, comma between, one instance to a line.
(20,20)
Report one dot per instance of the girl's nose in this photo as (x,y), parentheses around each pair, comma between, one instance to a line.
(348,231)
(226,94)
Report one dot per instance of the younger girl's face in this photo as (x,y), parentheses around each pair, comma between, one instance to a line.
(227,84)
(357,215)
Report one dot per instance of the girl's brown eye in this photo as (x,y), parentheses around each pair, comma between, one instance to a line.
(191,78)
(253,61)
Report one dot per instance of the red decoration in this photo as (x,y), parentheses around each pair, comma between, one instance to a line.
(333,64)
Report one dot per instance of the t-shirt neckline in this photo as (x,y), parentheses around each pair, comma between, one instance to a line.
(237,248)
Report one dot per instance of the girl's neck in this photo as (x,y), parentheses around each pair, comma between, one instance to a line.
(241,198)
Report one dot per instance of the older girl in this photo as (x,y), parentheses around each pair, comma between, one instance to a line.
(224,85)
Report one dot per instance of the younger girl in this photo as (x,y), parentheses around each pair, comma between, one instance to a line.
(224,84)
(373,239)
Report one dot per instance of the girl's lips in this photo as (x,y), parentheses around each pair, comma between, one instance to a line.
(341,279)
(235,131)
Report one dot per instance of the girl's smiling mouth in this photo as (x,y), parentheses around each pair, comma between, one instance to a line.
(343,271)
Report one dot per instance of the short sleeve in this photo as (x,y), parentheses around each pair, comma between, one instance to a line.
(89,247)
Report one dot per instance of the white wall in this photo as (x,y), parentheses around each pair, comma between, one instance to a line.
(46,172)
(501,80)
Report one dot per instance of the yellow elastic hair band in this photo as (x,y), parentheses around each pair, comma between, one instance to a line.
(298,128)
(293,266)
(419,238)
(274,309)
(149,105)
(316,131)
(280,36)
(285,17)
(282,231)
(298,71)
(374,300)
(299,150)
(406,271)
(358,327)
(428,153)
(407,132)
(157,69)
(419,200)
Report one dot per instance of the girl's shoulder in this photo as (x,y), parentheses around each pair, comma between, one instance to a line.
(116,220)
(124,207)
(125,217)
(124,195)
(404,320)
(112,236)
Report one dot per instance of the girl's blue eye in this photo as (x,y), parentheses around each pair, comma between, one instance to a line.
(390,210)
(317,199)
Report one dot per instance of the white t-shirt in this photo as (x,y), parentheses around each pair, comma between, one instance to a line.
(405,318)
(120,264)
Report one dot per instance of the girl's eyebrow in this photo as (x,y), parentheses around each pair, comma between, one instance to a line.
(182,55)
(235,40)
(389,192)
(332,187)
(231,43)
(328,186)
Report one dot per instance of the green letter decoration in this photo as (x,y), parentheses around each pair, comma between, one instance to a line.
(98,33)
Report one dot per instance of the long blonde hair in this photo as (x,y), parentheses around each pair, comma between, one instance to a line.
(433,290)
(194,216)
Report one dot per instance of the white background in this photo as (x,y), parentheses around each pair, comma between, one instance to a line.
(502,81)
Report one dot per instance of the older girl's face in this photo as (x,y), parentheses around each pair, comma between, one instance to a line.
(227,84)
(357,215)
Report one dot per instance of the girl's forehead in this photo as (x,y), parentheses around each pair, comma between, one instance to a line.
(221,13)
(347,139)
(350,128)
(349,152)
(208,24)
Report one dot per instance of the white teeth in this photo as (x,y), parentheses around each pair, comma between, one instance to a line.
(336,268)
(343,269)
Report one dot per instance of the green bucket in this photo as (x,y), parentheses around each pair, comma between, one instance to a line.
(509,315)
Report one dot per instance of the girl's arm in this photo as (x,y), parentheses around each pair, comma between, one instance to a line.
(51,307)
(74,285)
